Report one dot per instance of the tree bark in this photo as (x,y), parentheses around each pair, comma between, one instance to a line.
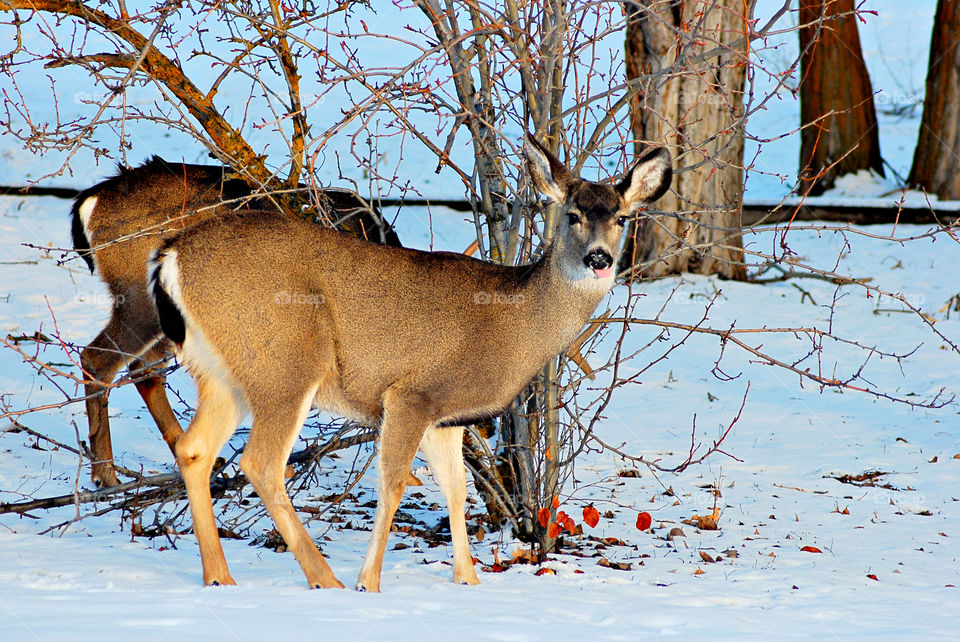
(840,134)
(936,161)
(697,109)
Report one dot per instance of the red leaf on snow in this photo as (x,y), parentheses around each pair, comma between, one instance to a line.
(873,577)
(591,516)
(811,549)
(644,521)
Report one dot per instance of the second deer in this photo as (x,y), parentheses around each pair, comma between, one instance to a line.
(116,224)
(273,316)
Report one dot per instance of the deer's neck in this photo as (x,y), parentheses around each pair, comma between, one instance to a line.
(556,301)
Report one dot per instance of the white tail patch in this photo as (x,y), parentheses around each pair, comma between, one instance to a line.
(196,353)
(163,267)
(86,210)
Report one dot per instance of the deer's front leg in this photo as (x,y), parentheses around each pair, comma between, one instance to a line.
(404,423)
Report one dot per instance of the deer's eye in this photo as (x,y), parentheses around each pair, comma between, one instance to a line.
(621,220)
(574,218)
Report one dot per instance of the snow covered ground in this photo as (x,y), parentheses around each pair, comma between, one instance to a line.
(97,581)
(889,565)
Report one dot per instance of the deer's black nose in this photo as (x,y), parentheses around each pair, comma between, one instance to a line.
(598,260)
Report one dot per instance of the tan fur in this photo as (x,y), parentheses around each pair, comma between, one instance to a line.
(410,340)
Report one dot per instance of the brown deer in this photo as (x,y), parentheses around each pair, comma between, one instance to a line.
(116,224)
(273,316)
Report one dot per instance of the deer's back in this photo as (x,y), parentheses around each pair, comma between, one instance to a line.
(269,290)
(139,207)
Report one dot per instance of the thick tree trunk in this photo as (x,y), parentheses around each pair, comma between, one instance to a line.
(840,134)
(698,110)
(936,161)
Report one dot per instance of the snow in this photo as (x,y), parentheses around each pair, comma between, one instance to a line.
(95,580)
(866,189)
(98,581)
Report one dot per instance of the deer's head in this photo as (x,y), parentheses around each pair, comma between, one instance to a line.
(594,215)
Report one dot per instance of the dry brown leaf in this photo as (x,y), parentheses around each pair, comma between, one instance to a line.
(620,566)
(704,522)
(524,556)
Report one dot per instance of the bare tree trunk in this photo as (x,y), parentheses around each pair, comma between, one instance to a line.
(936,161)
(697,109)
(840,134)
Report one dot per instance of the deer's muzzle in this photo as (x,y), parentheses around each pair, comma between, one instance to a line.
(599,261)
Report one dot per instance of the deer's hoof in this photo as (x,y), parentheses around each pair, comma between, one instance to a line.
(363,589)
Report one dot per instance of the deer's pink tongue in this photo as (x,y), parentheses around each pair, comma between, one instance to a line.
(603,273)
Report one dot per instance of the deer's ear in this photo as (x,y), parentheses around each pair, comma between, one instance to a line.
(649,179)
(550,176)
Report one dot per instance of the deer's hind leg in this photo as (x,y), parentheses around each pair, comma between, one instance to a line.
(153,390)
(217,417)
(276,425)
(126,336)
(443,450)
